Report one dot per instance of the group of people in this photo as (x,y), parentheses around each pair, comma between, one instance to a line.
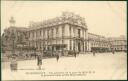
(57,55)
(94,53)
(39,59)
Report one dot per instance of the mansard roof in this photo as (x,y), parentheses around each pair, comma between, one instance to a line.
(66,17)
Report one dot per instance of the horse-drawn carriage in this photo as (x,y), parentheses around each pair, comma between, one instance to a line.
(72,53)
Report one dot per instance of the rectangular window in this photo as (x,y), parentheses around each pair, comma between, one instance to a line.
(36,33)
(52,33)
(48,33)
(79,32)
(70,30)
(62,31)
(70,45)
(40,32)
(57,32)
(33,34)
(43,33)
(74,32)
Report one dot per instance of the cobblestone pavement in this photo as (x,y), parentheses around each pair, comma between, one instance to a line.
(85,67)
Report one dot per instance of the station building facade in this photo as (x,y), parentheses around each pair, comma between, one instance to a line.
(67,32)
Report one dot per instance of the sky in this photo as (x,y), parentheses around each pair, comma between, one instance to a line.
(106,18)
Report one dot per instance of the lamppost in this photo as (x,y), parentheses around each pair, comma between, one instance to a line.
(13,63)
(12,23)
(13,41)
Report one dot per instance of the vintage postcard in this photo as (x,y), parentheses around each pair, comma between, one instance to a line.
(63,40)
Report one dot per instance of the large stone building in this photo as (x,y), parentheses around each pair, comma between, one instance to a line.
(67,32)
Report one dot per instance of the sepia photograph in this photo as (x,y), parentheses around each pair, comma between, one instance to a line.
(63,40)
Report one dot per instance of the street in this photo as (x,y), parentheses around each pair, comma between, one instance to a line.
(106,66)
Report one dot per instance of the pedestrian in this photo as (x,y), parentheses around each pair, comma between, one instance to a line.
(75,54)
(93,53)
(39,61)
(78,53)
(113,52)
(35,55)
(57,56)
(13,64)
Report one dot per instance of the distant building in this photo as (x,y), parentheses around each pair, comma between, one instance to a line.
(118,43)
(98,43)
